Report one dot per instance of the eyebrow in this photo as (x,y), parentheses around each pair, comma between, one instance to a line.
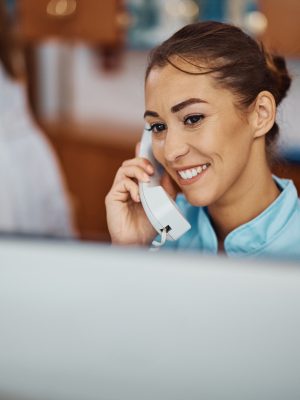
(186,103)
(178,107)
(149,113)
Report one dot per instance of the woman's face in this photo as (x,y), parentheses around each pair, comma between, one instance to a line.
(198,135)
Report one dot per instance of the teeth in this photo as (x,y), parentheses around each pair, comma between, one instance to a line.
(190,173)
(183,175)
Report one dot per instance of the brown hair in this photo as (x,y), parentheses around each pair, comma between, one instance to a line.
(238,62)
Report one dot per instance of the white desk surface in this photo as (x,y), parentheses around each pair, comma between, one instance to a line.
(89,322)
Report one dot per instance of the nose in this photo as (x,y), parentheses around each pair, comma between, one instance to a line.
(175,146)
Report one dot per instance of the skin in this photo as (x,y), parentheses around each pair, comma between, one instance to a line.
(196,122)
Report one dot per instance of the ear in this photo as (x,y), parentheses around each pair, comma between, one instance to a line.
(263,113)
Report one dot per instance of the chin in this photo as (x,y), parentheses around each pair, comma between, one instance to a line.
(197,199)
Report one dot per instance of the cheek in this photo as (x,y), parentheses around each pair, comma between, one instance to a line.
(158,150)
(240,142)
(233,140)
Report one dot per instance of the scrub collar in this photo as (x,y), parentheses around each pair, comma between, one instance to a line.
(251,238)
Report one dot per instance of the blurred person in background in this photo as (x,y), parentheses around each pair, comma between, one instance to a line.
(211,94)
(33,195)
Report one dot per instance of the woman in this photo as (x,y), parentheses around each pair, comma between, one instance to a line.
(211,95)
(33,197)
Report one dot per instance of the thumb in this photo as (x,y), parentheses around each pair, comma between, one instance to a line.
(169,185)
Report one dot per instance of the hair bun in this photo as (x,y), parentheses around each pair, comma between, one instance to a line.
(277,68)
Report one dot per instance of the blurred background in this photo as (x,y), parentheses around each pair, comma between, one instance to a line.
(81,65)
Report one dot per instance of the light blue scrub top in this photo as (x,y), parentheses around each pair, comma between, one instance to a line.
(275,232)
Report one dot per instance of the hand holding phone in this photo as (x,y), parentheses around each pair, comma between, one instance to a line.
(160,208)
(136,212)
(126,219)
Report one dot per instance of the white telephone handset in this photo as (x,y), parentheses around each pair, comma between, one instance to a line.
(159,207)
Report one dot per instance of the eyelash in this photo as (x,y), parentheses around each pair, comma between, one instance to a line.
(160,127)
(199,118)
(155,126)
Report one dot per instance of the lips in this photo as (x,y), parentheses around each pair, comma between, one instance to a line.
(189,174)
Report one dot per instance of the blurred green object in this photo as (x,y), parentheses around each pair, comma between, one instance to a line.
(11,6)
(145,16)
(154,20)
(212,9)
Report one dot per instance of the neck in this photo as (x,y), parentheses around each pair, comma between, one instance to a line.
(248,197)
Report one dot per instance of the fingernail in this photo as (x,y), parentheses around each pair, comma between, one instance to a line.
(149,169)
(146,178)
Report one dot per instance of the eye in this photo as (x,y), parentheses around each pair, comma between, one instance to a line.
(193,119)
(157,128)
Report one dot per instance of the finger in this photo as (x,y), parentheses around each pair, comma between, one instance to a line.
(125,190)
(141,162)
(132,171)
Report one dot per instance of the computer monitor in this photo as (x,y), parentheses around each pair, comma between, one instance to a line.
(91,322)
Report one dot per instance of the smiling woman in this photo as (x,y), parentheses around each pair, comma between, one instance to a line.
(211,94)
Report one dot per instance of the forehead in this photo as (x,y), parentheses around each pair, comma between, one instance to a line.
(170,85)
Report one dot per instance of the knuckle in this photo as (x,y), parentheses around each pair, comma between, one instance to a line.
(125,163)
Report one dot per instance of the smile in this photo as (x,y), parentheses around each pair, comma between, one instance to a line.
(191,173)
